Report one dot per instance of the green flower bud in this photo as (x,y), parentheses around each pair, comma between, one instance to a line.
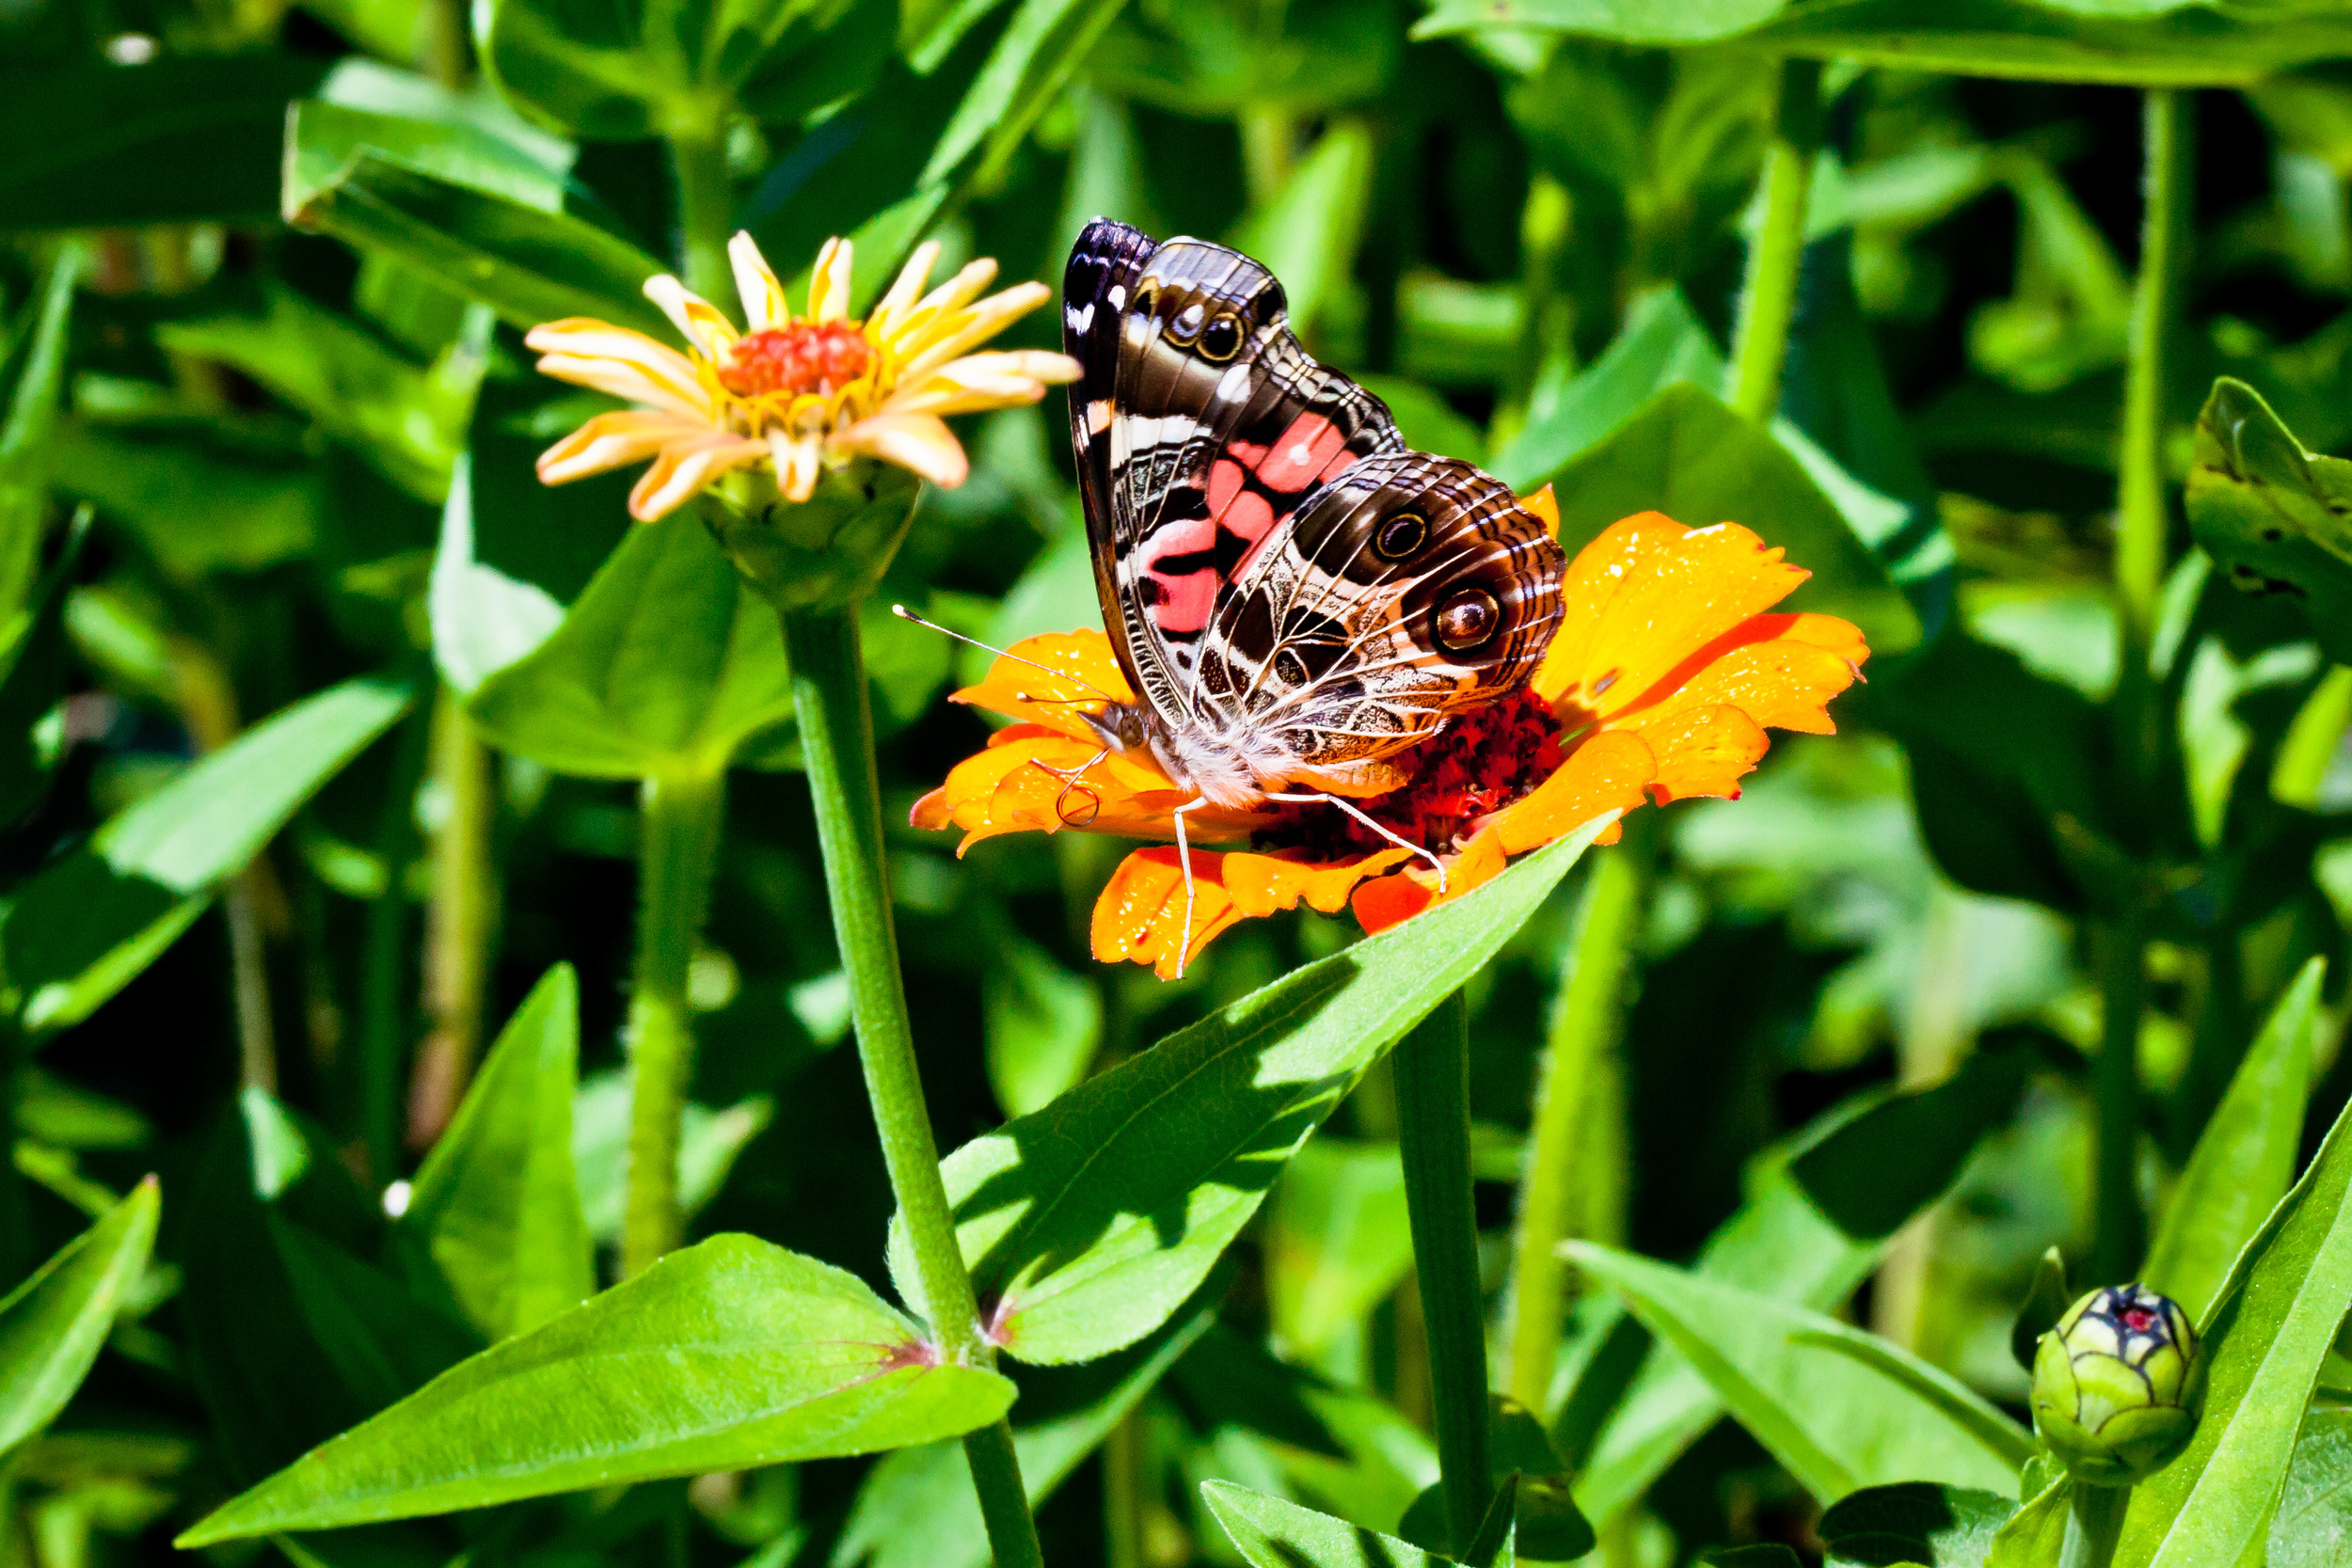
(2117,1386)
(824,553)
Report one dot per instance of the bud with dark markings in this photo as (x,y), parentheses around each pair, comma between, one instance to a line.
(2117,1386)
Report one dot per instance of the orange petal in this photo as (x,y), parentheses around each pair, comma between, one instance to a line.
(931,812)
(1030,779)
(1703,751)
(1643,598)
(1545,505)
(1784,683)
(1261,884)
(614,441)
(1392,900)
(1047,679)
(1139,917)
(684,468)
(1608,772)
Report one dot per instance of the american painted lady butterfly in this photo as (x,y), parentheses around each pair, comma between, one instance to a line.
(1297,595)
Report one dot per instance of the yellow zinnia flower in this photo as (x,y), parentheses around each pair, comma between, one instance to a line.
(801,395)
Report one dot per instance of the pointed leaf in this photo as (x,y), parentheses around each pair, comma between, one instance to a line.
(1271,1533)
(1938,1526)
(1834,1424)
(1086,1224)
(2046,1301)
(26,441)
(2245,1159)
(2314,1519)
(725,1355)
(2272,513)
(52,1325)
(496,1204)
(2264,1338)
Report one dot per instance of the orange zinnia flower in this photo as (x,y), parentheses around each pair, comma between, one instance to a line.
(1659,685)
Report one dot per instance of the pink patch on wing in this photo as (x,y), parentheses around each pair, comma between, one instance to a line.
(1181,537)
(1249,516)
(1224,484)
(1191,597)
(1300,452)
(1258,545)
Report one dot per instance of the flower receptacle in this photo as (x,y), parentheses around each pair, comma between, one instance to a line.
(824,553)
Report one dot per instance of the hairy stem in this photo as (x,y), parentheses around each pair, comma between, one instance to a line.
(681,815)
(1433,1138)
(1768,296)
(837,739)
(1584,1026)
(2093,1525)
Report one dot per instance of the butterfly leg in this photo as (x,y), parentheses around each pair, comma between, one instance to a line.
(1312,798)
(1184,858)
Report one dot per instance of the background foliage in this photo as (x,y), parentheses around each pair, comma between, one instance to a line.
(320,722)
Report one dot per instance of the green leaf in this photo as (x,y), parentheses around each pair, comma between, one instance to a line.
(2046,1301)
(1834,1424)
(529,263)
(1041,46)
(723,1357)
(1088,1223)
(1272,1534)
(1846,1172)
(1041,1024)
(2036,1533)
(2141,43)
(2315,1517)
(2272,513)
(1336,1240)
(25,444)
(1938,1527)
(1688,456)
(1305,232)
(183,138)
(87,925)
(2245,1159)
(917,1509)
(708,1141)
(194,506)
(1662,345)
(52,1325)
(496,1205)
(665,662)
(2264,1338)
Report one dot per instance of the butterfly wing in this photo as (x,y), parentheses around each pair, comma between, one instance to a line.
(1200,426)
(1409,589)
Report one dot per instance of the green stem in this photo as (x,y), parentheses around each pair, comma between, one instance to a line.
(1584,1028)
(248,964)
(2115,1249)
(2093,1525)
(2142,523)
(458,921)
(1123,1493)
(838,740)
(384,987)
(681,815)
(1433,1138)
(1768,297)
(706,209)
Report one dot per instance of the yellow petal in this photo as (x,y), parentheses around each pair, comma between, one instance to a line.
(684,468)
(613,441)
(763,306)
(627,364)
(981,323)
(796,458)
(903,292)
(828,282)
(698,320)
(936,310)
(919,443)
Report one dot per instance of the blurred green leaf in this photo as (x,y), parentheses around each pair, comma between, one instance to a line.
(52,1324)
(2046,1301)
(483,619)
(1041,46)
(184,138)
(2149,42)
(193,506)
(665,662)
(622,71)
(727,1354)
(917,1509)
(2245,1159)
(1336,1240)
(1937,1527)
(1088,1223)
(1206,62)
(2314,1516)
(87,925)
(1271,1533)
(1307,232)
(2273,513)
(1834,1422)
(2264,1338)
(1853,1174)
(708,1141)
(25,446)
(496,1205)
(1042,1023)
(1662,345)
(1691,457)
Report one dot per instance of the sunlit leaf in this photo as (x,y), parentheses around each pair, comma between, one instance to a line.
(1272,1534)
(52,1325)
(2272,514)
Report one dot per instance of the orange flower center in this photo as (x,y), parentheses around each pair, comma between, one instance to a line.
(1477,764)
(820,357)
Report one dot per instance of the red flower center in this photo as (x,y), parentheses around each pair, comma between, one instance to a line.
(1478,764)
(806,357)
(2138,1320)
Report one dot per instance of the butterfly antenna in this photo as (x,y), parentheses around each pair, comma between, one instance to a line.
(903,613)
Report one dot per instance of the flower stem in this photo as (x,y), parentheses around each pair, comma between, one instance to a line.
(2142,523)
(1768,297)
(1122,1494)
(1433,1138)
(385,986)
(706,210)
(838,740)
(2093,1525)
(680,816)
(2115,1081)
(1584,1027)
(458,921)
